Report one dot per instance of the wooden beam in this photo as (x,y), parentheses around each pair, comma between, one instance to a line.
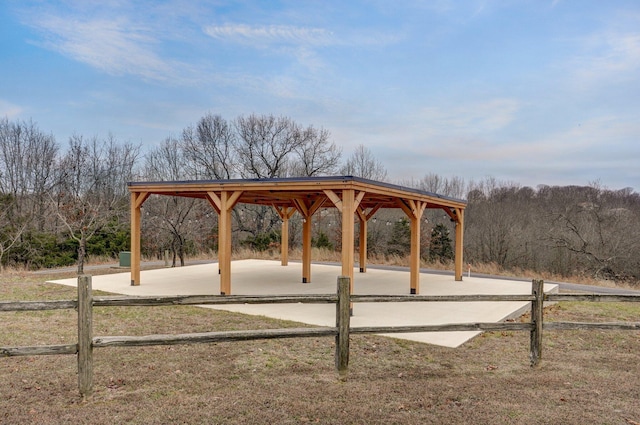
(214,200)
(404,207)
(307,209)
(414,210)
(233,198)
(316,205)
(284,243)
(306,249)
(364,218)
(348,233)
(142,196)
(227,202)
(373,211)
(414,260)
(285,214)
(363,243)
(417,207)
(334,198)
(301,207)
(459,254)
(358,199)
(451,212)
(137,199)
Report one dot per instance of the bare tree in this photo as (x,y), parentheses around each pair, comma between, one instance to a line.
(11,229)
(362,163)
(91,190)
(493,223)
(265,145)
(597,228)
(173,216)
(209,148)
(265,149)
(316,154)
(27,161)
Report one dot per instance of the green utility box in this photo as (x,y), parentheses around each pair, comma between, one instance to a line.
(125,259)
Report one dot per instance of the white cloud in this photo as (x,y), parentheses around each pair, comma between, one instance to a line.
(608,57)
(9,110)
(601,148)
(291,35)
(116,46)
(270,34)
(471,118)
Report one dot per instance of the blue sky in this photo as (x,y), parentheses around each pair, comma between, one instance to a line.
(531,92)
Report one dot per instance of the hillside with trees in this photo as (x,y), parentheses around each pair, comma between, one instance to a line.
(60,205)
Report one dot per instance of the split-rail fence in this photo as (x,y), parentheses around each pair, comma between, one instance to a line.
(343,300)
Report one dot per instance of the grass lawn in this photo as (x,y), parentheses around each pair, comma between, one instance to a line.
(584,376)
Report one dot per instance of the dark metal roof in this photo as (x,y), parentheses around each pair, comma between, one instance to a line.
(279,184)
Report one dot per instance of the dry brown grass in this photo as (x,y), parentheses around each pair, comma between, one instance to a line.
(585,376)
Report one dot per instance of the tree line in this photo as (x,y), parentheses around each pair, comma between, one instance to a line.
(60,205)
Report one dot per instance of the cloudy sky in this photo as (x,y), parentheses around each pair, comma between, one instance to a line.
(529,91)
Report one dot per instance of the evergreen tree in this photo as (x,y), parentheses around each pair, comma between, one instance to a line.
(440,246)
(400,242)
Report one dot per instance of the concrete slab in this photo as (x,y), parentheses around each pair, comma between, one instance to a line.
(262,277)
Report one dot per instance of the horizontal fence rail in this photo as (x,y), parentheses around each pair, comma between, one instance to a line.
(449,327)
(38,350)
(612,326)
(208,337)
(37,305)
(120,301)
(342,299)
(438,298)
(600,298)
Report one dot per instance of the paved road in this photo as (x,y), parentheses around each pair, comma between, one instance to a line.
(564,286)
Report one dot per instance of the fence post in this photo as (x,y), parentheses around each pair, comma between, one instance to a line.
(537,289)
(85,336)
(343,318)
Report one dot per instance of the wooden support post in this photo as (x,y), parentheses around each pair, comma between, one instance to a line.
(459,243)
(307,210)
(224,245)
(224,203)
(348,234)
(306,249)
(85,336)
(363,243)
(284,242)
(135,241)
(364,220)
(537,289)
(414,211)
(285,214)
(415,256)
(343,308)
(137,199)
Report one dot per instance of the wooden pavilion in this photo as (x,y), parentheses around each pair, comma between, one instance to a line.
(356,198)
